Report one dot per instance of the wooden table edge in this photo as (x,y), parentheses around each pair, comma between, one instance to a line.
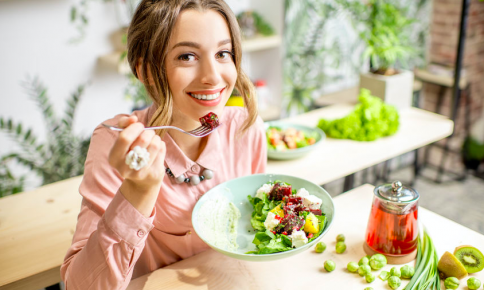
(39,280)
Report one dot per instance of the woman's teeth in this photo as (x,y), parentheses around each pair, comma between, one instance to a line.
(206,97)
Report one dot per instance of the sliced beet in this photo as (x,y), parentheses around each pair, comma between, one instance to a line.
(316,211)
(279,190)
(210,120)
(291,222)
(294,199)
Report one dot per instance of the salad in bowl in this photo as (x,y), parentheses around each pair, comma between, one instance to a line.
(285,218)
(285,139)
(263,217)
(290,141)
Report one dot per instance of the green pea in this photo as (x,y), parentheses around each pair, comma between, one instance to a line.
(368,288)
(320,247)
(340,238)
(378,261)
(352,267)
(340,247)
(363,270)
(364,261)
(369,277)
(473,283)
(394,271)
(407,271)
(384,275)
(329,265)
(394,282)
(451,283)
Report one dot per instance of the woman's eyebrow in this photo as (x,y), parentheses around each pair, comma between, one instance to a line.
(186,43)
(196,45)
(225,41)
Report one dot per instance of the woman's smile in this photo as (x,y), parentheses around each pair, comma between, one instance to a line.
(207,98)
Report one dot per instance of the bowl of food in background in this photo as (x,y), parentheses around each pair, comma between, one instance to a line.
(290,141)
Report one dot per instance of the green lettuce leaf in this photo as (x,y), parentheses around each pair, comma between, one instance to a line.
(370,119)
(261,208)
(267,243)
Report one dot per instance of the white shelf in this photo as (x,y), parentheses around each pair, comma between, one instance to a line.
(261,43)
(442,80)
(249,45)
(113,60)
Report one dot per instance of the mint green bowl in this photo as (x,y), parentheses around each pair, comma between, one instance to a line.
(236,191)
(298,152)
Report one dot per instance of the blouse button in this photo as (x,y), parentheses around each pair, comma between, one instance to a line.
(195,168)
(141,233)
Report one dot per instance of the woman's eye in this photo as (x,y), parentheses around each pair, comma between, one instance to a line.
(224,55)
(186,57)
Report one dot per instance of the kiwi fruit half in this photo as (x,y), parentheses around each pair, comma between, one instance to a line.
(470,257)
(450,266)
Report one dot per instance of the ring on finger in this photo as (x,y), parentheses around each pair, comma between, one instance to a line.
(137,158)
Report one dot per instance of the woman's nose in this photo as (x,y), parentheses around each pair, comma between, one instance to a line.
(210,72)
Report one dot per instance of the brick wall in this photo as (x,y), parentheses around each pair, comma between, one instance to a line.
(444,33)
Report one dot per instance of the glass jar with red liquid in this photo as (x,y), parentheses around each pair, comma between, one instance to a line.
(393,223)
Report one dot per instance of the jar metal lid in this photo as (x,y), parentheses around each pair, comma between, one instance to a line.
(396,192)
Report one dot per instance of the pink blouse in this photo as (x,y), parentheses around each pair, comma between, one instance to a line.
(114,243)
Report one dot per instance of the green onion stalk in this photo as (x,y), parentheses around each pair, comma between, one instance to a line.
(426,275)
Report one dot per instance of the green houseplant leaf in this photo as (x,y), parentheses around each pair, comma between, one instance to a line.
(308,56)
(61,156)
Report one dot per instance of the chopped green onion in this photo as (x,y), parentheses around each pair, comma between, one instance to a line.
(426,273)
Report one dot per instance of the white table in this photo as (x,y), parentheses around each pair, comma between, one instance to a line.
(212,270)
(336,158)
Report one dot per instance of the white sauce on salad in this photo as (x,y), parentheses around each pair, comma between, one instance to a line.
(218,222)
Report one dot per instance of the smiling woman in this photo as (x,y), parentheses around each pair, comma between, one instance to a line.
(216,57)
(187,53)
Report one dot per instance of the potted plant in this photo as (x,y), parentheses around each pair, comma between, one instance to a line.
(61,156)
(252,24)
(472,153)
(385,31)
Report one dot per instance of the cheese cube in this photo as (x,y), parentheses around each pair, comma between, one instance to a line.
(312,202)
(271,221)
(264,189)
(302,192)
(298,239)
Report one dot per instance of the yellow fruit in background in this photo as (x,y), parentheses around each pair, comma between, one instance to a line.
(312,224)
(278,210)
(235,101)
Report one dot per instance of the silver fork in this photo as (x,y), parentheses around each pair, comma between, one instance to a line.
(201,131)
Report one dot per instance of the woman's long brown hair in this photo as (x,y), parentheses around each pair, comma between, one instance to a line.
(148,38)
